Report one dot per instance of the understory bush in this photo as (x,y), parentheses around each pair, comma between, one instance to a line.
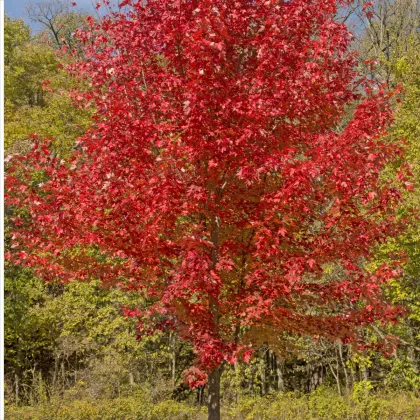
(135,407)
(324,403)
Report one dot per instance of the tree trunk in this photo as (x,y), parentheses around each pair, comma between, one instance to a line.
(280,379)
(16,389)
(365,374)
(346,376)
(263,379)
(200,396)
(55,374)
(131,381)
(214,394)
(172,362)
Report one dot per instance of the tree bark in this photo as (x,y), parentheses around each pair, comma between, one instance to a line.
(340,349)
(214,394)
(172,343)
(200,396)
(16,389)
(213,402)
(263,378)
(280,379)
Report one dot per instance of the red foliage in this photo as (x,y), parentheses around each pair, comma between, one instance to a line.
(195,377)
(213,179)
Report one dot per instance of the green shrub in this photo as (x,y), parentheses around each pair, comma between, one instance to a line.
(322,404)
(128,408)
(326,404)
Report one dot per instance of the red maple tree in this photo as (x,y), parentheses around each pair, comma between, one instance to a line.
(215,180)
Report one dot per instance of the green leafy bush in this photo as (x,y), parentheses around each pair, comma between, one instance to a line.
(136,407)
(326,404)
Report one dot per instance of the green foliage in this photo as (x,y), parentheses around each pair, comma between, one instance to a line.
(326,404)
(27,333)
(74,337)
(48,327)
(28,66)
(136,407)
(289,406)
(16,34)
(323,404)
(36,92)
(408,127)
(403,373)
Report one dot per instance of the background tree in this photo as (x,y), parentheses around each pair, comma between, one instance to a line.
(37,92)
(389,36)
(408,289)
(385,30)
(36,100)
(58,20)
